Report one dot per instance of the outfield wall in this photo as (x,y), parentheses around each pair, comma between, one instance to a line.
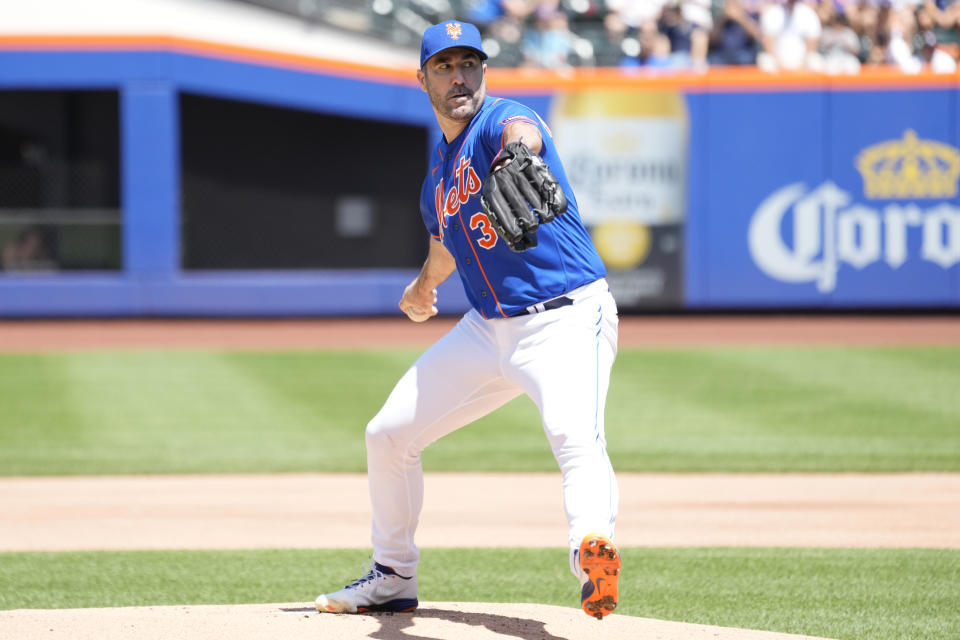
(732,189)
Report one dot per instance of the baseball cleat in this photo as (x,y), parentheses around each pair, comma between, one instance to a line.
(380,589)
(599,573)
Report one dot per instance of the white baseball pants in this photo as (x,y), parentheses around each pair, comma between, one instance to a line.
(561,358)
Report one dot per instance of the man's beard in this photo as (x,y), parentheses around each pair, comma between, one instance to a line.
(462,112)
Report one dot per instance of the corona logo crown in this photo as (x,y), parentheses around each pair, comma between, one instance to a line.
(909,168)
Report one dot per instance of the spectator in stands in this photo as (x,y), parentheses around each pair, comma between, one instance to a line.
(549,44)
(698,13)
(791,34)
(926,16)
(482,12)
(835,36)
(934,57)
(642,17)
(824,9)
(636,13)
(862,17)
(688,40)
(945,13)
(943,20)
(735,35)
(901,27)
(546,8)
(611,45)
(654,47)
(946,18)
(914,44)
(839,45)
(878,54)
(506,32)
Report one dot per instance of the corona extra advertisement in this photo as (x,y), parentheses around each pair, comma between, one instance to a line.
(625,154)
(831,227)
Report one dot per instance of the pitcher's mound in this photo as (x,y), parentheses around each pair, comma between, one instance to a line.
(433,620)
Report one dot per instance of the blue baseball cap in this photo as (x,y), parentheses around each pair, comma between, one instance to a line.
(448,35)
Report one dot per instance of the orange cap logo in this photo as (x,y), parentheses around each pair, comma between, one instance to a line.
(453,30)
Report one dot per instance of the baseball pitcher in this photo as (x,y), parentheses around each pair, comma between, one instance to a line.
(501,213)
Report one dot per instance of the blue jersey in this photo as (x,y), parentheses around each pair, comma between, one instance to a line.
(499,282)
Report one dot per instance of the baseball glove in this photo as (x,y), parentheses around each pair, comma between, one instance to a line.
(519,195)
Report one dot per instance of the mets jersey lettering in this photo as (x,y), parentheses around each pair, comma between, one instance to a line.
(466,183)
(499,282)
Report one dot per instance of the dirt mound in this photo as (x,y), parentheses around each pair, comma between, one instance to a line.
(432,621)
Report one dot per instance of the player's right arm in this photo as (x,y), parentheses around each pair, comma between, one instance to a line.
(524,132)
(420,297)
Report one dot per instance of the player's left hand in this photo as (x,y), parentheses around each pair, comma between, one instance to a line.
(519,195)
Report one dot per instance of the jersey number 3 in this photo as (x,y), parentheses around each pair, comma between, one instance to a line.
(482,222)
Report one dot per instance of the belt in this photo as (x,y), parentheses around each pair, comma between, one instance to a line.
(556,303)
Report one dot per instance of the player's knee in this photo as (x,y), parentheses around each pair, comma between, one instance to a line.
(377,437)
(391,441)
(385,437)
(566,449)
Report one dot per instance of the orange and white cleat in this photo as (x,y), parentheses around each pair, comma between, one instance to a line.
(599,573)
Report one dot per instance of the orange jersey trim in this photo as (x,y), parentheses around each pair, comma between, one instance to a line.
(456,160)
(480,265)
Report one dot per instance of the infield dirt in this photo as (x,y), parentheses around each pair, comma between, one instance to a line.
(433,620)
(477,510)
(361,333)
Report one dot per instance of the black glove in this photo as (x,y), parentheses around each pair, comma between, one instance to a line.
(520,196)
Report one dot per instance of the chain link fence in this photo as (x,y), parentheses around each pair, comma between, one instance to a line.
(59,181)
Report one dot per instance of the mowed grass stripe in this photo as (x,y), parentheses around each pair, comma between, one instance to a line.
(879,378)
(790,409)
(710,409)
(35,404)
(851,594)
(142,412)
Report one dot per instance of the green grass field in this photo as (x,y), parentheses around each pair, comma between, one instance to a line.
(837,593)
(729,409)
(684,410)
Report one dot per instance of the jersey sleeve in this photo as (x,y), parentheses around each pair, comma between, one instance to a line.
(506,112)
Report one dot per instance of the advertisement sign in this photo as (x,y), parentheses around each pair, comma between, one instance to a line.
(830,228)
(869,215)
(625,154)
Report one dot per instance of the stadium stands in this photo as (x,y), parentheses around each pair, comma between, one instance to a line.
(834,36)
